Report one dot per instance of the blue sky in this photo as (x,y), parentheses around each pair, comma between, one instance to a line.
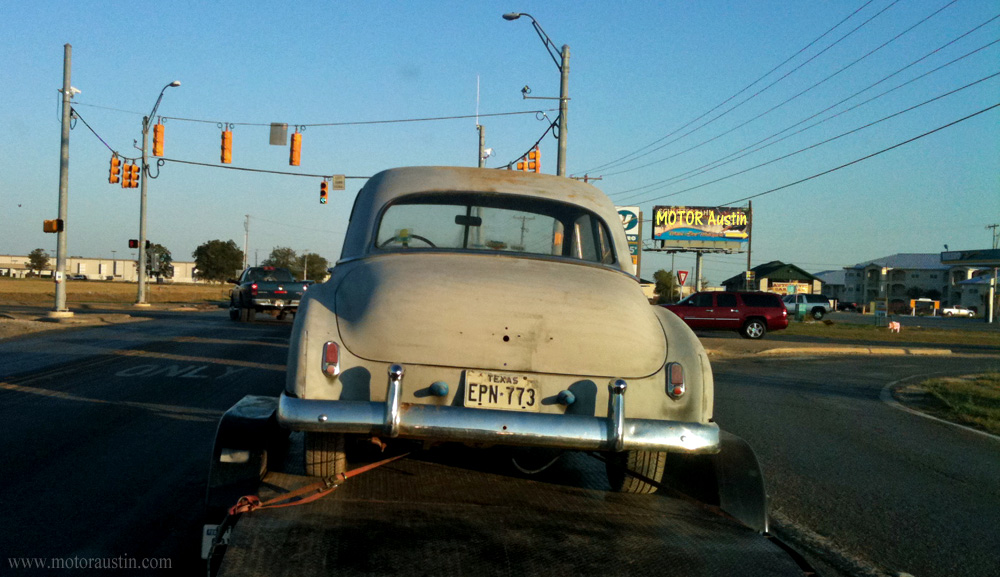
(641,72)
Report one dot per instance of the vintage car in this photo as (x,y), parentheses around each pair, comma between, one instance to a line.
(493,307)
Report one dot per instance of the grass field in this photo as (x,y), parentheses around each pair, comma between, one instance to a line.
(37,291)
(972,400)
(870,333)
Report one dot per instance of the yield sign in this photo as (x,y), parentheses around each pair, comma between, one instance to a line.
(682,275)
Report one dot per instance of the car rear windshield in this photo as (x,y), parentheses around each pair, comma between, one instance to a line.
(761,300)
(478,222)
(269,275)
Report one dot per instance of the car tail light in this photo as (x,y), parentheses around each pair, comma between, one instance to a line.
(675,380)
(331,359)
(253,289)
(305,287)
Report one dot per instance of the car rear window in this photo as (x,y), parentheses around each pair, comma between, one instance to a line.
(760,300)
(477,222)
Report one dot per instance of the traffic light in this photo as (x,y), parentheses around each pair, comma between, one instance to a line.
(53,225)
(130,176)
(116,170)
(295,154)
(158,139)
(322,192)
(522,165)
(133,243)
(534,160)
(227,146)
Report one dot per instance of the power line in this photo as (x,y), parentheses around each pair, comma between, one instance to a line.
(285,173)
(769,86)
(786,101)
(741,91)
(827,141)
(364,122)
(732,156)
(872,155)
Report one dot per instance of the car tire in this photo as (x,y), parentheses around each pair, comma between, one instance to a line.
(648,464)
(251,314)
(754,329)
(948,314)
(243,313)
(817,313)
(325,453)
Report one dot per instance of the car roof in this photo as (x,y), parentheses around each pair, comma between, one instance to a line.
(389,185)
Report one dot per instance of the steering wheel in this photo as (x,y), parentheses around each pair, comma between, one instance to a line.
(415,236)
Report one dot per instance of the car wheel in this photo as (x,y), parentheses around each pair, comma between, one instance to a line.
(325,454)
(648,464)
(281,316)
(251,314)
(754,329)
(234,311)
(818,313)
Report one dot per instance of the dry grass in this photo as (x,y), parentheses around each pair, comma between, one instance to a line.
(972,400)
(37,291)
(871,333)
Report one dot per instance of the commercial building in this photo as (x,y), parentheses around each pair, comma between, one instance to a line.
(18,266)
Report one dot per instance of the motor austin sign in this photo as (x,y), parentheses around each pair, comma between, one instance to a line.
(701,227)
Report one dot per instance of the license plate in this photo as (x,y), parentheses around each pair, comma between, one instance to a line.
(505,391)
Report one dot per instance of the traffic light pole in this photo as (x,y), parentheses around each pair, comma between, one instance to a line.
(563,106)
(60,273)
(141,297)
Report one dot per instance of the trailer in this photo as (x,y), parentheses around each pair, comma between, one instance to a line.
(455,510)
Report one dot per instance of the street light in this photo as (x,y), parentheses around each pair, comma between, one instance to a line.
(141,298)
(562,62)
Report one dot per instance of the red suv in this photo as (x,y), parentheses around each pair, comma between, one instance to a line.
(751,314)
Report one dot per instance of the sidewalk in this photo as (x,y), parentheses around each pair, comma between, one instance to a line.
(736,347)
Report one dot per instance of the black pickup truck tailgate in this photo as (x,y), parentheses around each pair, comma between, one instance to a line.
(466,515)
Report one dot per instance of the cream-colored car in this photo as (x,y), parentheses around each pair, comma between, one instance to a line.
(493,307)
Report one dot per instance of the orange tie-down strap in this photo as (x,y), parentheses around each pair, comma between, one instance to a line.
(306,494)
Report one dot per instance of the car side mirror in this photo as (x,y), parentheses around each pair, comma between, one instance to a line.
(232,281)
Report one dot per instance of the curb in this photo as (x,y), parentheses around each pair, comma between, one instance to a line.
(830,351)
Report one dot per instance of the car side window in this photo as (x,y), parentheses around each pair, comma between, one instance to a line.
(725,300)
(700,300)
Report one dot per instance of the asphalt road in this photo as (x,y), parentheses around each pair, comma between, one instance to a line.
(107,433)
(848,472)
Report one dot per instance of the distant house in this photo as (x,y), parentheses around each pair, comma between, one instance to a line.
(834,285)
(777,277)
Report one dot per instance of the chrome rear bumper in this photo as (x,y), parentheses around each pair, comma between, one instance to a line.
(459,424)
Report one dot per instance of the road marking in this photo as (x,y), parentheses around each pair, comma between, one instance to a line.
(172,411)
(886,397)
(170,357)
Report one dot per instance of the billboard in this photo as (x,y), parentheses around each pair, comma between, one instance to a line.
(630,221)
(708,227)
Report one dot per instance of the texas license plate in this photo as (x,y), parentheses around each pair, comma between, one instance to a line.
(505,391)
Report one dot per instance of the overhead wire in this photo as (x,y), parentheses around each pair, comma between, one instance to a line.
(734,156)
(625,159)
(829,140)
(784,102)
(364,122)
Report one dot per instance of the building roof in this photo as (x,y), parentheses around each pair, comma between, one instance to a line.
(923,261)
(832,277)
(774,271)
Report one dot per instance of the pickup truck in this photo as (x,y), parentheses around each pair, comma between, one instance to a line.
(265,289)
(816,306)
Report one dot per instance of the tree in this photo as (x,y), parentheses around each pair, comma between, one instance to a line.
(666,286)
(38,260)
(158,261)
(315,266)
(284,257)
(217,260)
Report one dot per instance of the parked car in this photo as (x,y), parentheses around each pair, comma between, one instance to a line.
(958,311)
(752,314)
(848,307)
(816,306)
(77,277)
(492,307)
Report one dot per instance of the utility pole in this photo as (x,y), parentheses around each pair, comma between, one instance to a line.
(246,240)
(996,235)
(60,309)
(524,227)
(482,145)
(749,239)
